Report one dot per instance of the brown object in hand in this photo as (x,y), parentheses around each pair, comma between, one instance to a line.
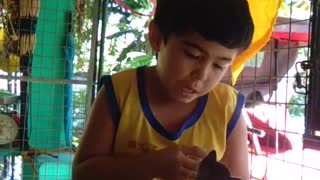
(210,169)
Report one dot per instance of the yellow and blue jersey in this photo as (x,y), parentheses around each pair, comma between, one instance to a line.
(138,131)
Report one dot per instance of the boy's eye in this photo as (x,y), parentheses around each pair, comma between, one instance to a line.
(218,66)
(191,55)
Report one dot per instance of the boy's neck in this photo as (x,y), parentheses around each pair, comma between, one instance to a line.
(163,106)
(155,89)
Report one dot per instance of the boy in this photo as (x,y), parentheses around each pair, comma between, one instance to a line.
(172,114)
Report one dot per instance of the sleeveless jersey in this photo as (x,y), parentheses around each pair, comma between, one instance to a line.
(138,131)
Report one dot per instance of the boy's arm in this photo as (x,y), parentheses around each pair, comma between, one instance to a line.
(93,160)
(236,155)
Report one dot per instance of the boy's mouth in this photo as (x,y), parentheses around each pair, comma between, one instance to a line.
(189,91)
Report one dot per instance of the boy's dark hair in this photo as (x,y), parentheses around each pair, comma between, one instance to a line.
(227,22)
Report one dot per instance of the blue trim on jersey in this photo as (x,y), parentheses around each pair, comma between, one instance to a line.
(112,101)
(236,114)
(154,122)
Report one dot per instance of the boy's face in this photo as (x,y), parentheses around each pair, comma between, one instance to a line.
(189,66)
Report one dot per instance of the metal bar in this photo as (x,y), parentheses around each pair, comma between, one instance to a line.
(311,140)
(93,56)
(103,36)
(25,67)
(275,53)
(43,80)
(313,104)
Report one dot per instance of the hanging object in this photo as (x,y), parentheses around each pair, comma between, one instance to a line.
(68,98)
(29,11)
(264,14)
(8,129)
(10,64)
(129,9)
(9,60)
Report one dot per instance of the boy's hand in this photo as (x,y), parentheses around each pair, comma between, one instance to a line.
(175,163)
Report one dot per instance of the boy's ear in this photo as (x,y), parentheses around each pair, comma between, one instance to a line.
(154,36)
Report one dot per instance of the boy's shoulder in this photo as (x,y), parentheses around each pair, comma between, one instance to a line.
(124,75)
(124,80)
(225,98)
(226,94)
(223,88)
(124,72)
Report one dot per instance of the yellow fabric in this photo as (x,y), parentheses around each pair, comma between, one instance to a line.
(264,14)
(10,64)
(1,39)
(135,134)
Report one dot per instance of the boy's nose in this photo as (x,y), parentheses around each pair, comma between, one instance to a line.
(201,73)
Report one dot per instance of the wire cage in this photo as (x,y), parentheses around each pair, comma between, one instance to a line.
(52,53)
(38,89)
(281,119)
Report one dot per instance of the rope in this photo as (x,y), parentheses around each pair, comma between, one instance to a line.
(14,35)
(33,153)
(36,152)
